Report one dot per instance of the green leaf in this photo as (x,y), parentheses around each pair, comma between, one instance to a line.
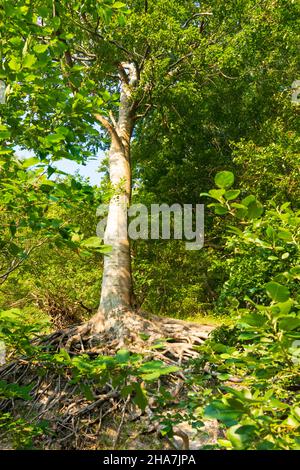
(40,48)
(118,5)
(15,64)
(285,235)
(255,210)
(29,60)
(122,356)
(30,162)
(224,179)
(154,369)
(235,230)
(282,308)
(121,20)
(295,272)
(105,249)
(127,390)
(217,194)
(240,436)
(277,292)
(140,398)
(10,390)
(55,22)
(220,210)
(54,138)
(253,319)
(222,412)
(289,323)
(232,194)
(247,200)
(92,242)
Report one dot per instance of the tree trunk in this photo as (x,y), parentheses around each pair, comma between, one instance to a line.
(117,289)
(116,281)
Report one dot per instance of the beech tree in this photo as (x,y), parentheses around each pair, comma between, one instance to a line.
(179,94)
(75,66)
(81,75)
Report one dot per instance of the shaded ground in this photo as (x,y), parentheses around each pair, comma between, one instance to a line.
(108,420)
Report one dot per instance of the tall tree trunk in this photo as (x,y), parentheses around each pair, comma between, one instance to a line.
(117,289)
(116,281)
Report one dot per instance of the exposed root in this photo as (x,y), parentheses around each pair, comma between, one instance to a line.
(127,329)
(75,420)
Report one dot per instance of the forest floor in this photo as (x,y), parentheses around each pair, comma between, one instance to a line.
(107,419)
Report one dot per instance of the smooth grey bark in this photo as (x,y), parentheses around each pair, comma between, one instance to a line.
(117,289)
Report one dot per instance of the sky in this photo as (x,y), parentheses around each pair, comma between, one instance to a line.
(90,170)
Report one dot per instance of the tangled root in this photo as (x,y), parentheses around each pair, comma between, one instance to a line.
(127,329)
(76,421)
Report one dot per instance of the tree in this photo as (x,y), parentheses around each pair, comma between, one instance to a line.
(130,64)
(112,64)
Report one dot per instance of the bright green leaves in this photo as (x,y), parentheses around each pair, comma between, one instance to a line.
(264,348)
(282,308)
(232,194)
(277,292)
(219,209)
(293,420)
(40,48)
(18,327)
(126,371)
(123,356)
(295,272)
(28,61)
(240,436)
(254,209)
(290,323)
(15,64)
(53,139)
(12,391)
(41,85)
(154,369)
(248,208)
(92,242)
(256,414)
(224,179)
(29,200)
(118,5)
(4,132)
(29,162)
(224,412)
(96,244)
(217,194)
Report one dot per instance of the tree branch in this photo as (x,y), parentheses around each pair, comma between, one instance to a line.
(15,264)
(105,122)
(194,16)
(110,128)
(94,32)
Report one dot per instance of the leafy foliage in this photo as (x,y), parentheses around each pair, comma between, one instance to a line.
(213,95)
(262,411)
